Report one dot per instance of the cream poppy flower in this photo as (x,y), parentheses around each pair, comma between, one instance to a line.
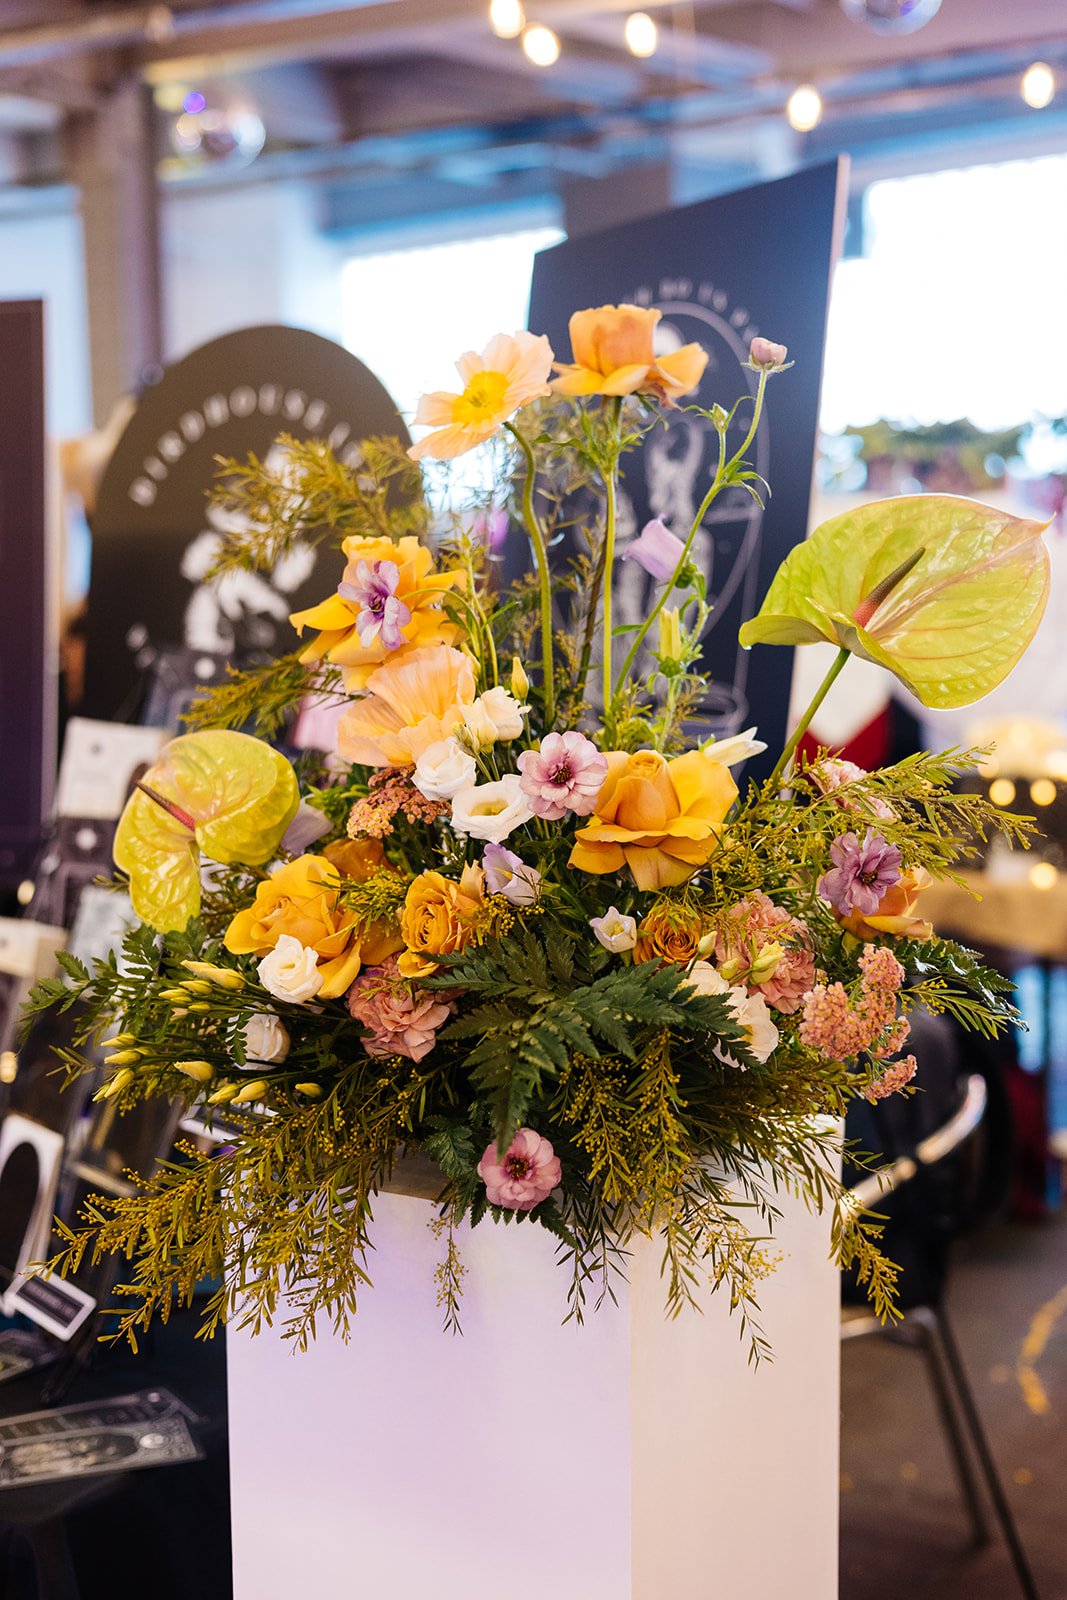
(511,371)
(614,355)
(410,705)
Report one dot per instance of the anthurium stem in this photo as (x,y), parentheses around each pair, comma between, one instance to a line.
(540,550)
(802,726)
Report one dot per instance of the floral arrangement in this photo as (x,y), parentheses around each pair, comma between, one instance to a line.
(514,921)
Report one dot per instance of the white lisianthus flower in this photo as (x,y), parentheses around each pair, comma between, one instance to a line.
(491,811)
(291,971)
(731,752)
(750,1012)
(266,1040)
(504,711)
(443,769)
(615,931)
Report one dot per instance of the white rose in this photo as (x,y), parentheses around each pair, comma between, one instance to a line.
(291,971)
(443,770)
(750,1011)
(266,1039)
(504,711)
(491,811)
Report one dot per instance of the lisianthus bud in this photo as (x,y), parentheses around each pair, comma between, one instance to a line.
(670,635)
(222,1096)
(766,963)
(520,683)
(729,970)
(766,354)
(196,986)
(251,1091)
(122,1080)
(313,1091)
(225,977)
(122,1058)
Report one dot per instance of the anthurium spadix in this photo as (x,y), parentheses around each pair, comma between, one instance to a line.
(219,792)
(970,588)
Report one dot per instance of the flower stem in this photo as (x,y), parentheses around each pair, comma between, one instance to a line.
(537,539)
(722,476)
(802,726)
(611,481)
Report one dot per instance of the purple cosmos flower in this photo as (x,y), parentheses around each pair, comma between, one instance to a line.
(564,775)
(861,873)
(507,874)
(381,614)
(657,549)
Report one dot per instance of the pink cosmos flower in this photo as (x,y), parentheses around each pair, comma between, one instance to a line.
(401,1019)
(527,1175)
(861,873)
(566,774)
(507,874)
(381,613)
(656,549)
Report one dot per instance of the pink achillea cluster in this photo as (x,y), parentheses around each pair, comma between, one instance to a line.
(895,1077)
(401,1019)
(839,1028)
(756,921)
(391,791)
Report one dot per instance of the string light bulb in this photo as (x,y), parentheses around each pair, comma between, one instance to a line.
(641,34)
(1038,85)
(804,108)
(540,45)
(506,18)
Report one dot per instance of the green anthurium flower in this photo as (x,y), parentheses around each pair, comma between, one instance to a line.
(219,792)
(950,626)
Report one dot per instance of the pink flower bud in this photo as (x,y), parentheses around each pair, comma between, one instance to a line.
(764,353)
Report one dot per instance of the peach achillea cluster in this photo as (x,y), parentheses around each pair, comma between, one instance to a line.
(839,1028)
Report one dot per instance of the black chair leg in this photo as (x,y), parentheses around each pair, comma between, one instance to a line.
(980,1441)
(922,1324)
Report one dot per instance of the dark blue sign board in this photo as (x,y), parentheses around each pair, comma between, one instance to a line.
(758,261)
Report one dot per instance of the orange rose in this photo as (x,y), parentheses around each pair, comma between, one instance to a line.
(659,818)
(302,899)
(419,588)
(896,911)
(614,355)
(669,933)
(358,859)
(410,705)
(439,917)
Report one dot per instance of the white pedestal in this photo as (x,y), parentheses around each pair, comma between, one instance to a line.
(632,1459)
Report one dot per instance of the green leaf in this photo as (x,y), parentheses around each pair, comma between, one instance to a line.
(952,628)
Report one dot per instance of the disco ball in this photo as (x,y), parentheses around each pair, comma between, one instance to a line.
(891,16)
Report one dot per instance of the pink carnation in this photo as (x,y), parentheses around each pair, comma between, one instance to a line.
(527,1175)
(795,973)
(566,774)
(401,1019)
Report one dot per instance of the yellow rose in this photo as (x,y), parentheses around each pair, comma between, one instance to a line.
(418,588)
(896,912)
(613,354)
(659,818)
(439,917)
(358,859)
(669,933)
(302,899)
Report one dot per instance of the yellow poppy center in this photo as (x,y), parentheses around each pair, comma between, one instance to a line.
(482,400)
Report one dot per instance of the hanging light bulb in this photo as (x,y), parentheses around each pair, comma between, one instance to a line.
(1038,85)
(506,18)
(891,16)
(540,45)
(804,108)
(641,34)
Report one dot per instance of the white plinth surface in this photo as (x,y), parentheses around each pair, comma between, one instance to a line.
(630,1459)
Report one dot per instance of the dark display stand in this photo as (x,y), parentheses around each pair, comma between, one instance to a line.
(755,262)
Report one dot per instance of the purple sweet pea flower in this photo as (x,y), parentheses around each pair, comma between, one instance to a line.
(861,873)
(566,774)
(656,549)
(381,614)
(507,874)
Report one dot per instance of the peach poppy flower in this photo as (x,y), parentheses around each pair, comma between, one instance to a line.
(418,587)
(410,704)
(659,818)
(614,355)
(511,371)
